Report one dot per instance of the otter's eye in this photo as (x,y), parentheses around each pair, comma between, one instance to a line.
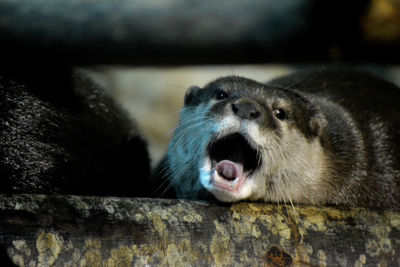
(280,113)
(220,95)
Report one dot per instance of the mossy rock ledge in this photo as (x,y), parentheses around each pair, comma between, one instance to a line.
(38,230)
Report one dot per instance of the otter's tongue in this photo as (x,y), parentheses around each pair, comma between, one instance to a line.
(229,170)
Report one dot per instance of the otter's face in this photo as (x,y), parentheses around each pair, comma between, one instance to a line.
(240,139)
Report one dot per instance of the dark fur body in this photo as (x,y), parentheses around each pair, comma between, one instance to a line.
(62,134)
(366,167)
(352,115)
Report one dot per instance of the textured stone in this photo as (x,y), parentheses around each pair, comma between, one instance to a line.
(39,230)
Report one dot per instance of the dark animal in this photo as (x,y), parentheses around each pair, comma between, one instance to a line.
(328,136)
(60,133)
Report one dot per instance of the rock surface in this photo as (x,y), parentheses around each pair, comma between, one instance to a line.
(39,230)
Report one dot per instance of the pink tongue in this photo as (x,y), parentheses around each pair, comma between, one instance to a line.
(229,170)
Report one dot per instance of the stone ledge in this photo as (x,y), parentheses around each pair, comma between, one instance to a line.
(38,230)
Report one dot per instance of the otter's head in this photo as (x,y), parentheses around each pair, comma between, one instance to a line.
(240,139)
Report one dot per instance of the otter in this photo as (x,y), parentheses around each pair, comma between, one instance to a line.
(321,137)
(61,133)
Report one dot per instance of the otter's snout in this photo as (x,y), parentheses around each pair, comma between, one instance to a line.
(248,110)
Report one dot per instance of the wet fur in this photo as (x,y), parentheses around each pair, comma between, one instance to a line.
(62,134)
(342,146)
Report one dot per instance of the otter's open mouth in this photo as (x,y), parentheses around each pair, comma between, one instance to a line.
(233,159)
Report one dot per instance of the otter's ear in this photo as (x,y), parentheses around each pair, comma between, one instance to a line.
(190,96)
(317,124)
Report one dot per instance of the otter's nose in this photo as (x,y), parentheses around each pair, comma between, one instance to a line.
(247,110)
